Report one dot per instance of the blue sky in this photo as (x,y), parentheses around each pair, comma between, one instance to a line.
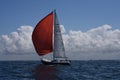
(73,14)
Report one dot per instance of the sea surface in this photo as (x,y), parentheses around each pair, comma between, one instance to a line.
(78,70)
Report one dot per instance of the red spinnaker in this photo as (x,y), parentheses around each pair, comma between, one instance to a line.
(43,34)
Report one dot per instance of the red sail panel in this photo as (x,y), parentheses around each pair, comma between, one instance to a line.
(43,34)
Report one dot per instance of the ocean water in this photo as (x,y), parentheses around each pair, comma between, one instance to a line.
(78,70)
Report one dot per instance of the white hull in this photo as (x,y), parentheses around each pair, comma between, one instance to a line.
(60,62)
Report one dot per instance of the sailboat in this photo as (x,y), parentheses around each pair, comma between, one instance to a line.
(47,39)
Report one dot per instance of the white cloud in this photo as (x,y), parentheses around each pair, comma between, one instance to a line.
(62,29)
(98,43)
(18,42)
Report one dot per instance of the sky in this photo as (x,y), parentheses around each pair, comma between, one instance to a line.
(91,28)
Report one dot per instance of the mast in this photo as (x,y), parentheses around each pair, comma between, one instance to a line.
(54,11)
(59,50)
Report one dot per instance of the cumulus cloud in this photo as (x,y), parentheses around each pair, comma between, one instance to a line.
(100,42)
(17,42)
(101,39)
(62,29)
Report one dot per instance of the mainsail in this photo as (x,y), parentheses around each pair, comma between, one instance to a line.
(59,51)
(43,34)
